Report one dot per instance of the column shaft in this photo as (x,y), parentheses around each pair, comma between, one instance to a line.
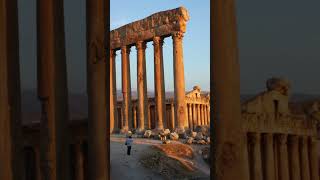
(142,86)
(283,157)
(126,90)
(52,90)
(198,113)
(172,117)
(294,163)
(79,159)
(190,117)
(314,158)
(134,116)
(37,162)
(194,114)
(149,116)
(304,158)
(202,114)
(226,83)
(159,82)
(98,131)
(269,171)
(255,153)
(11,150)
(113,92)
(179,82)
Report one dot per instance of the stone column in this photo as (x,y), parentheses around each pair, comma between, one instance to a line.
(269,169)
(126,90)
(228,133)
(179,82)
(194,114)
(172,116)
(205,114)
(149,116)
(79,161)
(134,116)
(98,131)
(198,114)
(159,82)
(314,158)
(142,85)
(37,162)
(190,117)
(293,142)
(255,153)
(52,90)
(304,158)
(283,157)
(113,91)
(11,150)
(202,114)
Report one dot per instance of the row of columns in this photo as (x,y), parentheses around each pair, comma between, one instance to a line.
(179,85)
(282,157)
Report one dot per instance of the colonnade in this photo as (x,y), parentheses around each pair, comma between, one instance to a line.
(141,110)
(282,156)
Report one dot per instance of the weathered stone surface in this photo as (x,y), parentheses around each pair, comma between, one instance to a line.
(199,136)
(193,134)
(159,24)
(174,136)
(190,140)
(147,133)
(166,132)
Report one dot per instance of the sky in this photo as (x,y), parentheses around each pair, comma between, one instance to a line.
(276,38)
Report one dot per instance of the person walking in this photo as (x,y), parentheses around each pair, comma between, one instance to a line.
(128,143)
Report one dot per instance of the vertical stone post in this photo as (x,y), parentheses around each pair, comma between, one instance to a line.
(179,82)
(172,116)
(228,132)
(194,114)
(283,157)
(126,90)
(269,173)
(314,158)
(294,169)
(198,113)
(134,109)
(142,85)
(52,90)
(256,163)
(190,117)
(113,91)
(304,158)
(11,150)
(202,114)
(205,114)
(37,162)
(159,82)
(149,116)
(79,161)
(97,88)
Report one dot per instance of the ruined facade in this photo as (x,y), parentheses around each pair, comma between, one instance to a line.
(198,112)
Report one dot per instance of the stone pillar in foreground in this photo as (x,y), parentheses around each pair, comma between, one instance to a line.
(52,90)
(98,131)
(269,171)
(11,150)
(229,136)
(134,109)
(141,85)
(126,90)
(113,92)
(314,158)
(294,164)
(283,157)
(255,153)
(79,161)
(304,158)
(159,82)
(179,82)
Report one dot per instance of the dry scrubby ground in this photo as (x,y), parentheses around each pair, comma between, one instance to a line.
(172,161)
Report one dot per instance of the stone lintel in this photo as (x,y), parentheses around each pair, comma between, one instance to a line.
(160,24)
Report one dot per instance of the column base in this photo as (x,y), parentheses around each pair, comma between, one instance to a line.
(124,130)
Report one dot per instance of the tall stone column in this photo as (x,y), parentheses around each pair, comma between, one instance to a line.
(202,114)
(198,114)
(159,82)
(190,117)
(149,116)
(113,91)
(283,157)
(304,158)
(269,171)
(98,131)
(228,132)
(126,90)
(255,153)
(205,114)
(11,149)
(52,90)
(314,158)
(179,82)
(194,114)
(172,116)
(79,161)
(142,85)
(293,142)
(134,109)
(37,163)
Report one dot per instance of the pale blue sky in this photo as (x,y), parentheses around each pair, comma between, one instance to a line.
(196,41)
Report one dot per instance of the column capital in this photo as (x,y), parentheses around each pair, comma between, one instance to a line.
(125,50)
(158,41)
(254,138)
(282,139)
(141,45)
(177,35)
